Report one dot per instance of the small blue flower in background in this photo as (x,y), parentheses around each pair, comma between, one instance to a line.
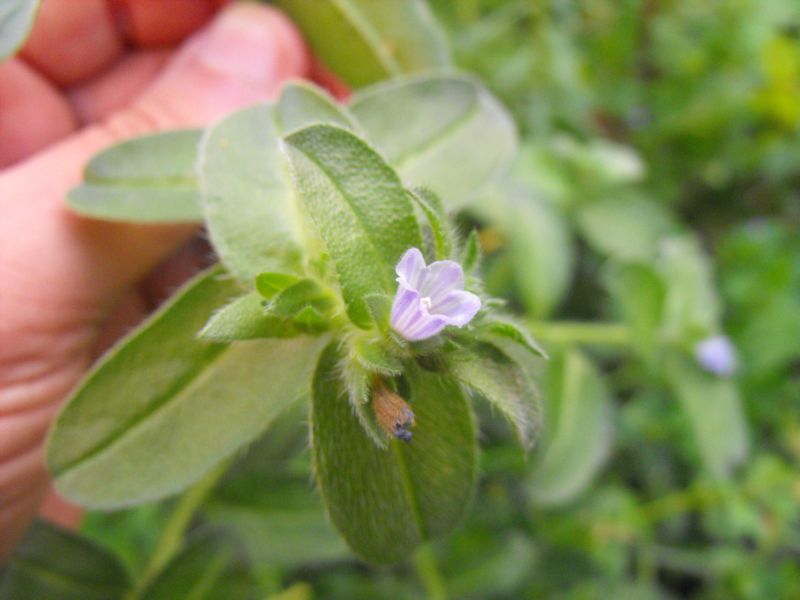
(429,298)
(717,355)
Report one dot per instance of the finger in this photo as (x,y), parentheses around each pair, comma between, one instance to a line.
(71,41)
(60,272)
(109,92)
(241,59)
(158,23)
(57,510)
(33,114)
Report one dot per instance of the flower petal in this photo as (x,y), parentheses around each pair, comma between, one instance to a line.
(440,278)
(458,307)
(717,355)
(411,267)
(425,328)
(405,308)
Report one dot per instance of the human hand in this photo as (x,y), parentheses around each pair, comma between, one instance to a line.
(70,285)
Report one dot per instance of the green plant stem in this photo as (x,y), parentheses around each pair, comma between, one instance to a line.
(172,537)
(562,333)
(428,573)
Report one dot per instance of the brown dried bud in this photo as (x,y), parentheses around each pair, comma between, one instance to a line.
(393,413)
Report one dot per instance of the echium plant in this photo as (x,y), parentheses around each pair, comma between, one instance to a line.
(341,279)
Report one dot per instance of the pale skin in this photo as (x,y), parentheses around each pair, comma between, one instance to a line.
(89,76)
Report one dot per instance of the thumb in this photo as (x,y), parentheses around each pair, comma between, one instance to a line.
(239,59)
(60,272)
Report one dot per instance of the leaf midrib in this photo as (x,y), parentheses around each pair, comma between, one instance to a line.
(408,488)
(430,144)
(363,27)
(214,354)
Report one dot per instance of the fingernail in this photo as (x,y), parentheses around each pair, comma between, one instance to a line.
(239,44)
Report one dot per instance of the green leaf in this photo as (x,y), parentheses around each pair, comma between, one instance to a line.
(364,41)
(380,309)
(54,563)
(442,132)
(246,319)
(269,284)
(714,409)
(210,566)
(373,356)
(251,213)
(691,305)
(386,502)
(360,208)
(254,219)
(471,252)
(16,21)
(302,104)
(302,294)
(509,330)
(577,432)
(149,179)
(437,221)
(541,253)
(505,385)
(625,228)
(638,294)
(303,307)
(161,408)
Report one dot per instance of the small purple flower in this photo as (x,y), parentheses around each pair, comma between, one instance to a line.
(716,355)
(429,298)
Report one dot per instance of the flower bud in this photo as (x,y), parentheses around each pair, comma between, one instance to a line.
(393,413)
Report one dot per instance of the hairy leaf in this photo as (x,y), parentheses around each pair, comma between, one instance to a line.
(364,41)
(148,179)
(506,386)
(386,502)
(437,221)
(360,208)
(162,408)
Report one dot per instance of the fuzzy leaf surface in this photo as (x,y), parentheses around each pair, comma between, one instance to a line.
(360,208)
(386,502)
(161,408)
(497,377)
(149,179)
